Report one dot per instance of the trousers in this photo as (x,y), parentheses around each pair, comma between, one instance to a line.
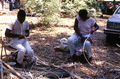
(74,41)
(24,48)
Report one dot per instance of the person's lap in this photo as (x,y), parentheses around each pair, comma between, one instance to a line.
(24,49)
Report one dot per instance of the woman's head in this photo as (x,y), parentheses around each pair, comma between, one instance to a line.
(83,14)
(21,16)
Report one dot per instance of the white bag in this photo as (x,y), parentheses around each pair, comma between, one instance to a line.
(63,44)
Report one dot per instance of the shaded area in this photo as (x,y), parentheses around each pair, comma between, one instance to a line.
(105,56)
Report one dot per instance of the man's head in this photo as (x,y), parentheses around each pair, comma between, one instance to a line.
(21,16)
(83,14)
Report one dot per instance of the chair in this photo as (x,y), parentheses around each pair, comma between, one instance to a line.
(5,48)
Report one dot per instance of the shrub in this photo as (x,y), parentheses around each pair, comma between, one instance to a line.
(51,10)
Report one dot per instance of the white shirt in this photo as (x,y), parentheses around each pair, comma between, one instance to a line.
(85,27)
(18,28)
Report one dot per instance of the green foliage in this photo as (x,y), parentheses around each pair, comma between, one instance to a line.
(51,10)
(32,5)
(73,8)
(80,5)
(67,8)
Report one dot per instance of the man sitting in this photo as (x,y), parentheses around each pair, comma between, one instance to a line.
(18,31)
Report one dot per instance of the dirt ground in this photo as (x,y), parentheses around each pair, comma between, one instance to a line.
(106,58)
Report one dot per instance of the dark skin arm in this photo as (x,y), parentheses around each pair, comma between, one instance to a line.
(8,33)
(96,28)
(27,33)
(77,31)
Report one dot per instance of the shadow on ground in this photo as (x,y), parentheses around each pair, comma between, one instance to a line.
(44,41)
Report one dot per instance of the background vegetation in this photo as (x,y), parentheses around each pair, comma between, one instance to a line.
(52,10)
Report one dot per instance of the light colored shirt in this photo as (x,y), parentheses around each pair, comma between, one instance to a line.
(85,27)
(18,28)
